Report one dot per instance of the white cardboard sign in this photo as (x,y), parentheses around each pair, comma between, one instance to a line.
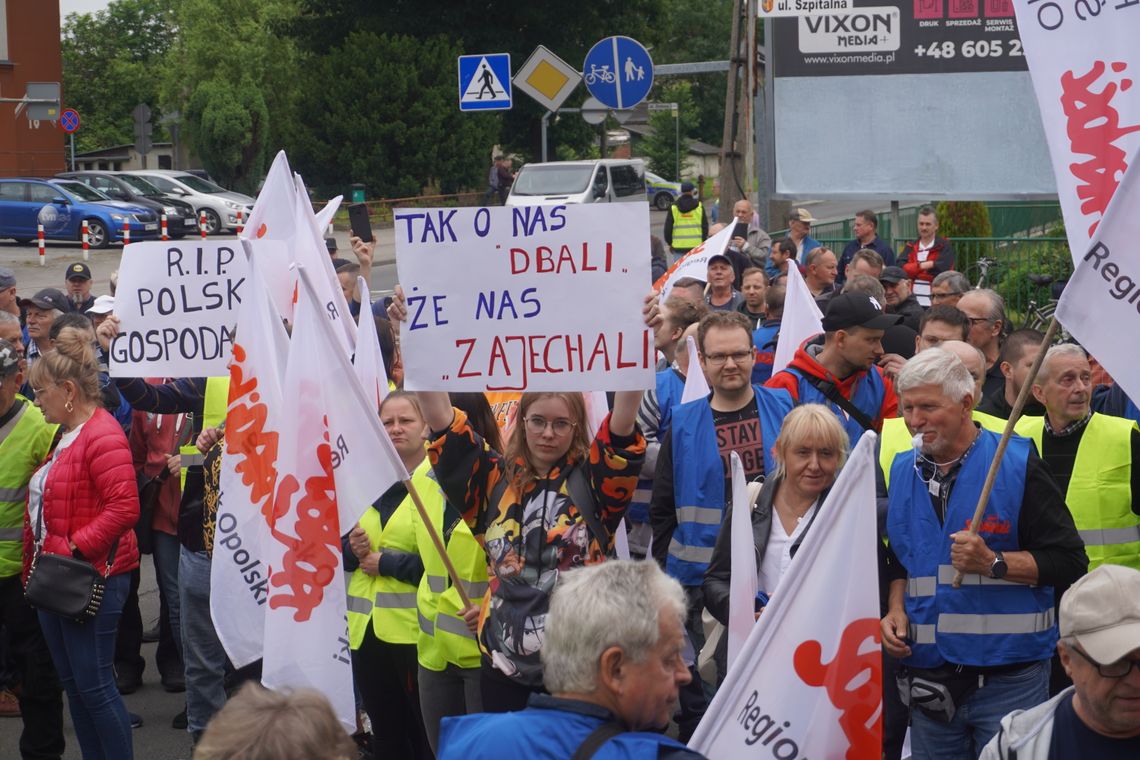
(538,298)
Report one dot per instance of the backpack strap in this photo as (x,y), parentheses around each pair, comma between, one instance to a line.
(599,736)
(582,494)
(832,393)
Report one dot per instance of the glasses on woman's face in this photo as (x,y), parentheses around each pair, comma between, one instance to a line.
(40,391)
(537,425)
(1118,669)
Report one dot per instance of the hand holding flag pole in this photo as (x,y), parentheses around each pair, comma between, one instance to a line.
(1014,415)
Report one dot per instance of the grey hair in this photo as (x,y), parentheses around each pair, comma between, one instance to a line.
(940,368)
(868,285)
(1063,350)
(997,304)
(7,316)
(954,280)
(614,603)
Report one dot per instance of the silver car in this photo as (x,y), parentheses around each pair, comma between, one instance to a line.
(220,206)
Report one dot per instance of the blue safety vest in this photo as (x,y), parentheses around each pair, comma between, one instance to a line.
(699,478)
(670,386)
(866,396)
(986,621)
(764,340)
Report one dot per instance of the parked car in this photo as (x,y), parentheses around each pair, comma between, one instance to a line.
(181,219)
(220,206)
(62,205)
(661,192)
(601,181)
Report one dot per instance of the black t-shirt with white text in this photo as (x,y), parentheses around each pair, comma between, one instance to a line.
(739,431)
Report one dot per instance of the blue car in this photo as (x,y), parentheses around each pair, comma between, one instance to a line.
(61,206)
(661,192)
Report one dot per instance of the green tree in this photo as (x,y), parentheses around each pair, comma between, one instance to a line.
(966,219)
(661,148)
(229,127)
(112,61)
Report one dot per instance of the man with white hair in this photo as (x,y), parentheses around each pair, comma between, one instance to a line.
(1099,716)
(1090,456)
(612,662)
(974,653)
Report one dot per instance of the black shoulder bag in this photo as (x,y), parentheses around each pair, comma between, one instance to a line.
(832,393)
(599,736)
(67,586)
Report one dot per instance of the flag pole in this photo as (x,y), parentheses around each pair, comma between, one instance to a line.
(1018,405)
(438,542)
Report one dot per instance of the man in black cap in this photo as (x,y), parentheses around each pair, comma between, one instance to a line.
(841,372)
(79,287)
(722,296)
(686,225)
(42,309)
(896,286)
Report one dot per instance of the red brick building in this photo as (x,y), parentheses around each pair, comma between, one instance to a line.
(29,52)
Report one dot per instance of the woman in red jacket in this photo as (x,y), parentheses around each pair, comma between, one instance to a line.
(84,501)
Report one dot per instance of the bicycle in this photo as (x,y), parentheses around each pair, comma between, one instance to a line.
(983,264)
(600,73)
(1038,316)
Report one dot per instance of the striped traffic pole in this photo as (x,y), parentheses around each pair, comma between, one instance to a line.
(202,224)
(164,237)
(239,225)
(86,242)
(126,233)
(40,243)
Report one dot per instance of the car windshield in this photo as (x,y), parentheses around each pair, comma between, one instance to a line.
(552,180)
(139,185)
(198,184)
(82,191)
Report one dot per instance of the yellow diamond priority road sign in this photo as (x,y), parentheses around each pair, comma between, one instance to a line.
(547,78)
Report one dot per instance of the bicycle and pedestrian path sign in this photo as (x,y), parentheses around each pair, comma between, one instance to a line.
(619,72)
(485,82)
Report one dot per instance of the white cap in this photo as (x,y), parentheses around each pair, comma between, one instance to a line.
(102,305)
(1102,612)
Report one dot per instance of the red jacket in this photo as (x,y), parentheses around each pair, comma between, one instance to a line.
(941,253)
(91,498)
(806,363)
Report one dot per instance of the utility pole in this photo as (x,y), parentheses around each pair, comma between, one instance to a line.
(737,108)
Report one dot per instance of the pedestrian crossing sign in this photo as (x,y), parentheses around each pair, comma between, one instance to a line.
(485,82)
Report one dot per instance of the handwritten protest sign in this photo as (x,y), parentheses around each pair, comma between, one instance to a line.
(528,298)
(177,303)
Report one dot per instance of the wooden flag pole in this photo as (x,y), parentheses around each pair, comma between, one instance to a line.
(1018,405)
(439,547)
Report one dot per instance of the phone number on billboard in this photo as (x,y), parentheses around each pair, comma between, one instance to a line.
(970,49)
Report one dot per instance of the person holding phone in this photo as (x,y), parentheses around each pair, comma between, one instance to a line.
(747,237)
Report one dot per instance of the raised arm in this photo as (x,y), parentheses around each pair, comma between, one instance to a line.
(626,403)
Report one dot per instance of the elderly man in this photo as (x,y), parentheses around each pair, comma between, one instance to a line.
(1099,716)
(820,269)
(8,300)
(1018,352)
(42,309)
(900,300)
(722,296)
(842,373)
(974,653)
(755,243)
(799,230)
(1091,456)
(929,256)
(866,229)
(986,311)
(25,441)
(947,288)
(612,662)
(79,287)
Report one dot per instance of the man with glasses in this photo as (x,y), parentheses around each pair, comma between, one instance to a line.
(693,483)
(985,310)
(1099,716)
(947,288)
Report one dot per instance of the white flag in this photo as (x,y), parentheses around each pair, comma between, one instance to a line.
(239,581)
(802,319)
(1106,286)
(334,461)
(695,263)
(271,230)
(368,362)
(809,680)
(1084,64)
(696,386)
(744,579)
(309,252)
(324,216)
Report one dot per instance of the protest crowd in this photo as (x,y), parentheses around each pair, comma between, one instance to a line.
(556,573)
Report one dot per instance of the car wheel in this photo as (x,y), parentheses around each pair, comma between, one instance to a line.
(97,235)
(213,221)
(663,201)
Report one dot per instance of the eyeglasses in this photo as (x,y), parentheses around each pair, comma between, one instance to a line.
(978,320)
(944,296)
(537,425)
(1118,669)
(738,357)
(40,391)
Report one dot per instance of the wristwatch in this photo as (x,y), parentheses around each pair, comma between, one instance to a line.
(998,568)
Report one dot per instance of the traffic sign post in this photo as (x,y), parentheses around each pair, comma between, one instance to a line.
(69,123)
(485,82)
(619,72)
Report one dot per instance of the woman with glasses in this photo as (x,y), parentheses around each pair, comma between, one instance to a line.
(83,501)
(551,501)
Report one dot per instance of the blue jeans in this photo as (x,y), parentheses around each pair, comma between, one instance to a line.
(84,657)
(167,555)
(977,719)
(202,653)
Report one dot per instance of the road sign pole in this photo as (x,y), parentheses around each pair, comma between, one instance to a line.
(545,121)
(677,144)
(72,141)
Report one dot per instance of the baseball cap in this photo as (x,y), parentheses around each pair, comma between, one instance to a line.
(7,278)
(79,271)
(849,310)
(1102,612)
(893,274)
(718,257)
(102,305)
(47,299)
(687,187)
(9,359)
(800,215)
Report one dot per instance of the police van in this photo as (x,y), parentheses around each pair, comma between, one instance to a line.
(607,180)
